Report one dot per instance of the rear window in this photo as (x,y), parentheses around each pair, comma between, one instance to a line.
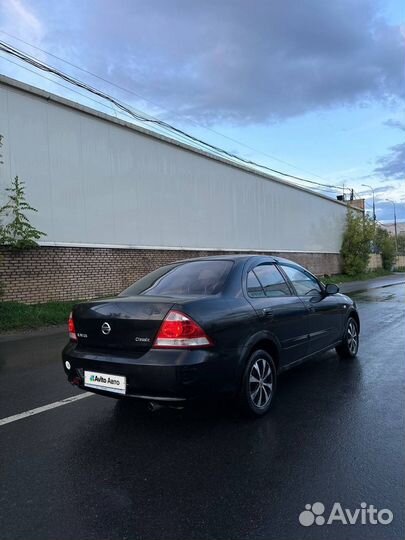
(196,278)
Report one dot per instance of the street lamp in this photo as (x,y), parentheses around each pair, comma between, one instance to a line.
(395,224)
(372,189)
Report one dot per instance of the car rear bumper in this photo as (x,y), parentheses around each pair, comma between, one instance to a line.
(159,374)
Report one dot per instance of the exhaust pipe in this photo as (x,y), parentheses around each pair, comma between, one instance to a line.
(153,406)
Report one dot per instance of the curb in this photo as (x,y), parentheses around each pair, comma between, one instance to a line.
(14,335)
(369,288)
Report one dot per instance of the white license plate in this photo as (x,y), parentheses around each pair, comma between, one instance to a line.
(105,381)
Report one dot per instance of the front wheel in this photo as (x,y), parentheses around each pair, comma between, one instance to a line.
(350,343)
(259,384)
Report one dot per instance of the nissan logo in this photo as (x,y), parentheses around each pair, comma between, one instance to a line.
(105,328)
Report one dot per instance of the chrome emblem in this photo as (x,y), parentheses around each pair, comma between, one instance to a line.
(105,328)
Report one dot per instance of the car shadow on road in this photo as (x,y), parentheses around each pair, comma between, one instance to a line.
(325,380)
(310,398)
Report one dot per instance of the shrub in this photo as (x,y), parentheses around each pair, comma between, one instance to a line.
(356,245)
(386,245)
(18,232)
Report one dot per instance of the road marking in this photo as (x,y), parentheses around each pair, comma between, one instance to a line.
(44,408)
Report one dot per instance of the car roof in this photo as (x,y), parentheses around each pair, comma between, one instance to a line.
(239,257)
(235,257)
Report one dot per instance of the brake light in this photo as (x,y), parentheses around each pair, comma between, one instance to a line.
(72,330)
(178,330)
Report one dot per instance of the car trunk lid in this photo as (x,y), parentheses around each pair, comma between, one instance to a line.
(128,323)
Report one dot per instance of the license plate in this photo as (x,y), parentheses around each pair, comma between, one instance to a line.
(105,381)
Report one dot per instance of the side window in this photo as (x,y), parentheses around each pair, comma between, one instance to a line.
(305,284)
(272,281)
(254,288)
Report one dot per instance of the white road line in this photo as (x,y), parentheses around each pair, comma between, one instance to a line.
(44,408)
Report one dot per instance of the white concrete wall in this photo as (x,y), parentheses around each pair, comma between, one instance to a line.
(96,182)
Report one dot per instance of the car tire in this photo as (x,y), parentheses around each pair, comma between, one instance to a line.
(349,346)
(258,384)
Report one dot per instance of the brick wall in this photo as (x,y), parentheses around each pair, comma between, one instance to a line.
(400,262)
(374,262)
(71,273)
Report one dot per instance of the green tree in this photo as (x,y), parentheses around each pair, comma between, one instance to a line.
(18,232)
(356,245)
(386,246)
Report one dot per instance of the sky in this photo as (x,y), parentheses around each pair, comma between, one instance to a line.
(312,88)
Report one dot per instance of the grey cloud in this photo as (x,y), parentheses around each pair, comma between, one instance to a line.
(392,166)
(235,61)
(383,189)
(395,124)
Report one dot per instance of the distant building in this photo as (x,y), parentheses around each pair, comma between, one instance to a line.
(357,203)
(391,228)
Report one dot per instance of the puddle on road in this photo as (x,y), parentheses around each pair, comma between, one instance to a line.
(365,297)
(391,294)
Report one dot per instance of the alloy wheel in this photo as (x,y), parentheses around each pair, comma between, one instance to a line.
(261,383)
(352,337)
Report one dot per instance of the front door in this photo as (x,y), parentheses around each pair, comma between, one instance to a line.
(325,313)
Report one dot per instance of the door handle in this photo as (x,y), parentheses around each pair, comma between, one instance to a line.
(267,312)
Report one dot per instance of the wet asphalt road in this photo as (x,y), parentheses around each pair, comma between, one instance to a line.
(97,469)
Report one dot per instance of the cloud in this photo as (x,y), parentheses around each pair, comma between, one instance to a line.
(18,19)
(382,189)
(231,61)
(395,124)
(392,166)
(384,209)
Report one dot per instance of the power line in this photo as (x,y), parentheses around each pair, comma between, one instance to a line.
(58,83)
(122,113)
(171,112)
(99,102)
(79,93)
(8,49)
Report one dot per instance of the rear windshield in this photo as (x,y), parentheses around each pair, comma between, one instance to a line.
(196,278)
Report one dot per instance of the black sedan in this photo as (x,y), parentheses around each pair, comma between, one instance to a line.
(197,327)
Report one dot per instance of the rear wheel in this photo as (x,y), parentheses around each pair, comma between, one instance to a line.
(350,343)
(259,384)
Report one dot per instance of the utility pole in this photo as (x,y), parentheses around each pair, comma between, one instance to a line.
(372,189)
(395,226)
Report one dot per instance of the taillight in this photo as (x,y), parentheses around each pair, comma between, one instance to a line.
(178,330)
(72,330)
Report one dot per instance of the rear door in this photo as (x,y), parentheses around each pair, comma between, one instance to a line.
(325,313)
(279,311)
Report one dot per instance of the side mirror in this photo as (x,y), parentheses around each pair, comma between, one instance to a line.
(331,288)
